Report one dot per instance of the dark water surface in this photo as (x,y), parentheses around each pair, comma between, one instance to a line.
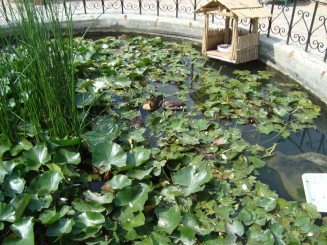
(312,140)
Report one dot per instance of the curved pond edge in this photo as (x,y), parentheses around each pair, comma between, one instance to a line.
(302,67)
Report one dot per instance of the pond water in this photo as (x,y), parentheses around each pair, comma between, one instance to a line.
(311,140)
(291,158)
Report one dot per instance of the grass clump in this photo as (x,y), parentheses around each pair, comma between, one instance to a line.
(41,81)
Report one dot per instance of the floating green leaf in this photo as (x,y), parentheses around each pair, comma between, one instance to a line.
(46,183)
(119,182)
(23,230)
(99,198)
(70,156)
(133,198)
(61,227)
(168,218)
(186,235)
(7,213)
(106,154)
(138,156)
(191,179)
(37,156)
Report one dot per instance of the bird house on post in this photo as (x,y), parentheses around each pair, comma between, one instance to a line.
(230,43)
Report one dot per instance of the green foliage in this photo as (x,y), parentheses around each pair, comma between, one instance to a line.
(37,75)
(180,179)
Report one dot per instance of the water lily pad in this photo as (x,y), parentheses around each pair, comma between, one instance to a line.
(99,198)
(191,179)
(168,218)
(24,144)
(106,154)
(186,235)
(24,232)
(138,156)
(14,185)
(121,82)
(266,128)
(90,219)
(61,227)
(119,182)
(133,198)
(37,156)
(131,220)
(235,228)
(84,99)
(83,206)
(65,155)
(46,183)
(49,216)
(7,213)
(20,203)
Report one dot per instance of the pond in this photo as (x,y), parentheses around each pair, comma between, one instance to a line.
(289,151)
(163,145)
(308,140)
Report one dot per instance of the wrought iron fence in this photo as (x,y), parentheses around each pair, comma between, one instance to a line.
(302,23)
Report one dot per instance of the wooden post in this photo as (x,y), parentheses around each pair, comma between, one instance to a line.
(205,34)
(255,25)
(234,40)
(226,37)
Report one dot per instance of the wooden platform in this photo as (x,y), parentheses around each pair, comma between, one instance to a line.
(225,56)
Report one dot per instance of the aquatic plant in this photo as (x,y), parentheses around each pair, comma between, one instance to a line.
(38,73)
(180,177)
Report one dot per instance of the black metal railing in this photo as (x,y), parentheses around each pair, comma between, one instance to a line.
(302,23)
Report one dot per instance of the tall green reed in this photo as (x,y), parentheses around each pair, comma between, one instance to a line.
(44,81)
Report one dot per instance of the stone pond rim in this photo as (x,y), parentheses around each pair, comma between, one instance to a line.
(306,69)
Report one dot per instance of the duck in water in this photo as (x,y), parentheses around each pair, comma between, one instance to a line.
(173,105)
(154,103)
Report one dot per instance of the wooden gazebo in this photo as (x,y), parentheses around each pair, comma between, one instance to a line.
(231,44)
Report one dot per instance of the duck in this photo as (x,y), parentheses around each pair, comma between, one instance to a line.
(154,103)
(137,121)
(173,105)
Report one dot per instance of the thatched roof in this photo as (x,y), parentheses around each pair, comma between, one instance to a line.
(239,8)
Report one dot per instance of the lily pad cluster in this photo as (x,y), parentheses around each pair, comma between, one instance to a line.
(180,177)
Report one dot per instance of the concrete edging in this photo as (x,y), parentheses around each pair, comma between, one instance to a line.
(304,68)
(307,70)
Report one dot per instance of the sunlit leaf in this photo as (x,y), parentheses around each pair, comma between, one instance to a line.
(186,235)
(106,154)
(168,219)
(37,156)
(191,179)
(46,183)
(235,228)
(61,227)
(99,198)
(63,155)
(23,230)
(119,182)
(7,213)
(89,219)
(21,145)
(133,197)
(138,156)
